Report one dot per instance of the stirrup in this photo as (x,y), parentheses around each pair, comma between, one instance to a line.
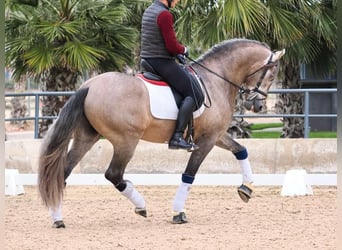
(193,145)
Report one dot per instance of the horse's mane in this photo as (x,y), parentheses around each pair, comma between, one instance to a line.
(229,45)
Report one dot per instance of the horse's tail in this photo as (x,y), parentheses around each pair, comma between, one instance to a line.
(53,155)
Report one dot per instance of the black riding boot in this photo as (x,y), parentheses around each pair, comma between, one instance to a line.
(184,115)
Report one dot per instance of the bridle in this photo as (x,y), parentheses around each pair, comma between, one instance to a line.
(265,67)
(244,90)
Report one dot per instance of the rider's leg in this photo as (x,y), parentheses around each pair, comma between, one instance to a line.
(179,80)
(184,115)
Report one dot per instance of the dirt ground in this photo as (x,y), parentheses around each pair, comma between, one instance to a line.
(98,217)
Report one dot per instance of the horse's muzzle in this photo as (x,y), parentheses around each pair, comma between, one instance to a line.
(254,105)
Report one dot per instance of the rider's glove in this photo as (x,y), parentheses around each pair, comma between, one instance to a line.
(181,59)
(186,52)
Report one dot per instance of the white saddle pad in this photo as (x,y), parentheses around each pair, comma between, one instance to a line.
(162,101)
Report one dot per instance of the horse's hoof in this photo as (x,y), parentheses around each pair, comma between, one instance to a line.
(141,211)
(179,218)
(58,224)
(245,192)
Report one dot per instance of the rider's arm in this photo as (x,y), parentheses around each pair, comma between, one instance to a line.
(165,23)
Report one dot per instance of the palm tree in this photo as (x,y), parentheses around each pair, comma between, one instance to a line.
(317,43)
(306,28)
(58,41)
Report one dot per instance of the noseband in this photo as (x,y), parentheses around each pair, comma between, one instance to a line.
(243,90)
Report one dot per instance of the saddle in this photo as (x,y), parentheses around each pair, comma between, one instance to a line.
(197,84)
(149,73)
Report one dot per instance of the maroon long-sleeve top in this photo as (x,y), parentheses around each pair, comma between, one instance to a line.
(165,22)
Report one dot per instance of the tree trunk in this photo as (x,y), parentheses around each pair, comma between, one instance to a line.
(19,108)
(239,128)
(291,103)
(59,79)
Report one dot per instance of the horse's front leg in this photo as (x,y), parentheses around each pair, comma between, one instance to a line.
(241,154)
(188,178)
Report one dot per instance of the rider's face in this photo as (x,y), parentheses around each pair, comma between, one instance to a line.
(174,3)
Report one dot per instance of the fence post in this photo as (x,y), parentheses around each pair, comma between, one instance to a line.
(306,114)
(36,115)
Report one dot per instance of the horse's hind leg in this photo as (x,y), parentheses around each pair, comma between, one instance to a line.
(241,154)
(122,155)
(84,138)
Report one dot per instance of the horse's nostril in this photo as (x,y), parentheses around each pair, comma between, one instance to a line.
(248,105)
(257,108)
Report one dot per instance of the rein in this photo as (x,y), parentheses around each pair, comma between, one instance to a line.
(243,90)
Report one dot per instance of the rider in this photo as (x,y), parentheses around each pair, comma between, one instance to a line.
(159,47)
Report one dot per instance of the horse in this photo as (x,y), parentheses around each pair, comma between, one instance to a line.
(116,106)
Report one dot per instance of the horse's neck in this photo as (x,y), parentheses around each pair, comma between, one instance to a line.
(236,66)
(230,72)
(218,72)
(220,90)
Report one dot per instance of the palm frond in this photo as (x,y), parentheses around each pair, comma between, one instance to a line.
(57,31)
(38,59)
(78,55)
(284,25)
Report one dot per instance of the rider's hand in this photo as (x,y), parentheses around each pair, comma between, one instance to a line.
(181,59)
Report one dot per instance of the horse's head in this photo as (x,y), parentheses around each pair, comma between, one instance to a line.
(259,81)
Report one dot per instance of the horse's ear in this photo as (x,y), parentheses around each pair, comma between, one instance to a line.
(278,54)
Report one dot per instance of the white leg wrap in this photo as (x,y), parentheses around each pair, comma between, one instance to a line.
(181,196)
(133,195)
(56,213)
(246,171)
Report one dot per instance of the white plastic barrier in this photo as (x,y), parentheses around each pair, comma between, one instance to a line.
(296,183)
(13,183)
